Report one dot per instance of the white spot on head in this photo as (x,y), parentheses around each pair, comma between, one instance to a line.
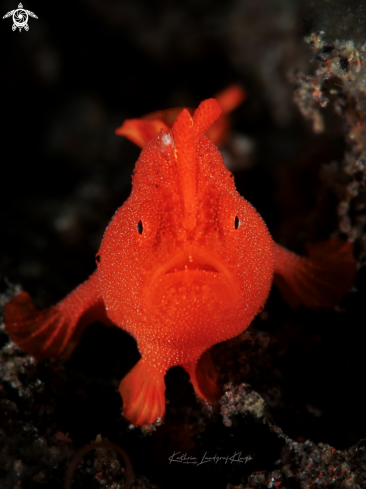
(166,139)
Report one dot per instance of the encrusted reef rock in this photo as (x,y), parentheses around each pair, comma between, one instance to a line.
(339,80)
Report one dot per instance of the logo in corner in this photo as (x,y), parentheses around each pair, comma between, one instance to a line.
(20,17)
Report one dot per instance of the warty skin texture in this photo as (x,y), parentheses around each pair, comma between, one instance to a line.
(185,263)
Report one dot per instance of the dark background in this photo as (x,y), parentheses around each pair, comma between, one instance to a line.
(65,85)
(81,70)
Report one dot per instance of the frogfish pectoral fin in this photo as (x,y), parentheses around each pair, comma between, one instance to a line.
(203,376)
(56,331)
(321,279)
(143,394)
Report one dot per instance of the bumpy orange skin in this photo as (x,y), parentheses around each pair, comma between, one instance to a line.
(180,291)
(185,263)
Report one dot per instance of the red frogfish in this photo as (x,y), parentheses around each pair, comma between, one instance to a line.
(184,264)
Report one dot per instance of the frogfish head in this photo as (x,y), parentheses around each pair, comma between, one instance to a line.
(186,251)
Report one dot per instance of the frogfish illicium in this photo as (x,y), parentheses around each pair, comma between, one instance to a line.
(185,263)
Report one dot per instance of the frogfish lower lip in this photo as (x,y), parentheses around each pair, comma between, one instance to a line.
(191,267)
(192,260)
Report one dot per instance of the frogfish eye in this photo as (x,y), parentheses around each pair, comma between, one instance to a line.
(139,227)
(237,222)
(97,259)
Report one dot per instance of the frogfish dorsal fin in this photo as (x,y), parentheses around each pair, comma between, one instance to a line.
(207,112)
(186,131)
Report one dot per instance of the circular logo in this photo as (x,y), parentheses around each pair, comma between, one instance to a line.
(20,18)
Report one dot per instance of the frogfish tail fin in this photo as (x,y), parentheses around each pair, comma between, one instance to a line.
(319,280)
(143,394)
(141,131)
(230,98)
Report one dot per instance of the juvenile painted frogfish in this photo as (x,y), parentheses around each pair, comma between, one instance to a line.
(184,264)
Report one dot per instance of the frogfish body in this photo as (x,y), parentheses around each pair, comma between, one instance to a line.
(184,264)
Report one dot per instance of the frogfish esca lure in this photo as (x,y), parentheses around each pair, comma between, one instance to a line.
(184,264)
